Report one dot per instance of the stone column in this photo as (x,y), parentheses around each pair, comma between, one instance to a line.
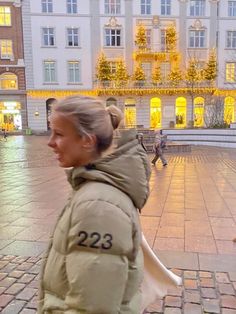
(183,33)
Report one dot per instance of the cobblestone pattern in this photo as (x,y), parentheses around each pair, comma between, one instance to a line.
(203,292)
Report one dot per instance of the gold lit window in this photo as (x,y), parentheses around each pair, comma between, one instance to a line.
(230,74)
(198,112)
(8,81)
(5,16)
(6,49)
(229,109)
(130,113)
(180,112)
(155,113)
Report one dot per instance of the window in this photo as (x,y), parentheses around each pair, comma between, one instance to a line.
(165,7)
(6,49)
(149,38)
(112,6)
(112,37)
(72,6)
(8,81)
(49,71)
(147,69)
(145,6)
(165,69)
(48,36)
(163,40)
(47,6)
(231,8)
(231,39)
(197,7)
(5,16)
(73,71)
(72,37)
(113,66)
(230,72)
(197,39)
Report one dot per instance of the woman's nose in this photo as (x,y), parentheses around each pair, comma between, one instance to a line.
(51,142)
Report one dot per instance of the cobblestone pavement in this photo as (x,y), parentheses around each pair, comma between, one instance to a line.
(189,220)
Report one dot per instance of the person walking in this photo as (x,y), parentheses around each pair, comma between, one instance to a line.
(4,134)
(94,262)
(158,149)
(139,137)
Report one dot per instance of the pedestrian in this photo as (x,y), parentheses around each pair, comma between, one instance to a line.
(140,141)
(4,134)
(94,261)
(158,146)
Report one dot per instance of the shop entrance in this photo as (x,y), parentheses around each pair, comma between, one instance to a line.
(10,116)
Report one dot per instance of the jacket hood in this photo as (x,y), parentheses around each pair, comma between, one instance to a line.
(126,168)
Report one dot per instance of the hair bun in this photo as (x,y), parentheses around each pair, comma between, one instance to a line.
(116,116)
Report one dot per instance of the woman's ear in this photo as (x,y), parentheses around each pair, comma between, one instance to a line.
(89,142)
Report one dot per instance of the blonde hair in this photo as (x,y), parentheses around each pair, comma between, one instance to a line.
(90,117)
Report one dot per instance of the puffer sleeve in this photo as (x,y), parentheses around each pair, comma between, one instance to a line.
(100,244)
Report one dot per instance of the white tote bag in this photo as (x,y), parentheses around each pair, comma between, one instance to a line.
(157,278)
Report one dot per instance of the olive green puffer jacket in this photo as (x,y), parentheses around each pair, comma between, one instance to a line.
(94,262)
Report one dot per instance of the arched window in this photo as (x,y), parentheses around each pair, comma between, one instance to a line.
(229,109)
(111,101)
(180,112)
(49,104)
(198,111)
(155,113)
(8,81)
(130,113)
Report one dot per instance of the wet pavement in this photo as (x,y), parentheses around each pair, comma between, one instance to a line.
(189,220)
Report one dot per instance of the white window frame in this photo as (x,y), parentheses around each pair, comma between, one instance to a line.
(232,8)
(146,7)
(47,6)
(74,37)
(51,66)
(231,39)
(198,38)
(71,6)
(166,7)
(197,7)
(112,37)
(48,34)
(5,44)
(6,14)
(112,6)
(230,72)
(74,68)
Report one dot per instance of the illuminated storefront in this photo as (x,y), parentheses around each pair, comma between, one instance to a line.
(180,112)
(155,113)
(10,116)
(130,113)
(229,110)
(198,112)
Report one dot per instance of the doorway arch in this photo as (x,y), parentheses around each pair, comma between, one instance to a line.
(199,111)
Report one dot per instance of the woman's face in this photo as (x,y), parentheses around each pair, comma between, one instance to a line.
(71,149)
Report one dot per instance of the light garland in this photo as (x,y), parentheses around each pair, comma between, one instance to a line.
(128,92)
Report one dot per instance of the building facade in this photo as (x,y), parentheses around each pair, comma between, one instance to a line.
(64,39)
(13,116)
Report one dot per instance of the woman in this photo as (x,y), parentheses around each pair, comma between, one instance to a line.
(94,262)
